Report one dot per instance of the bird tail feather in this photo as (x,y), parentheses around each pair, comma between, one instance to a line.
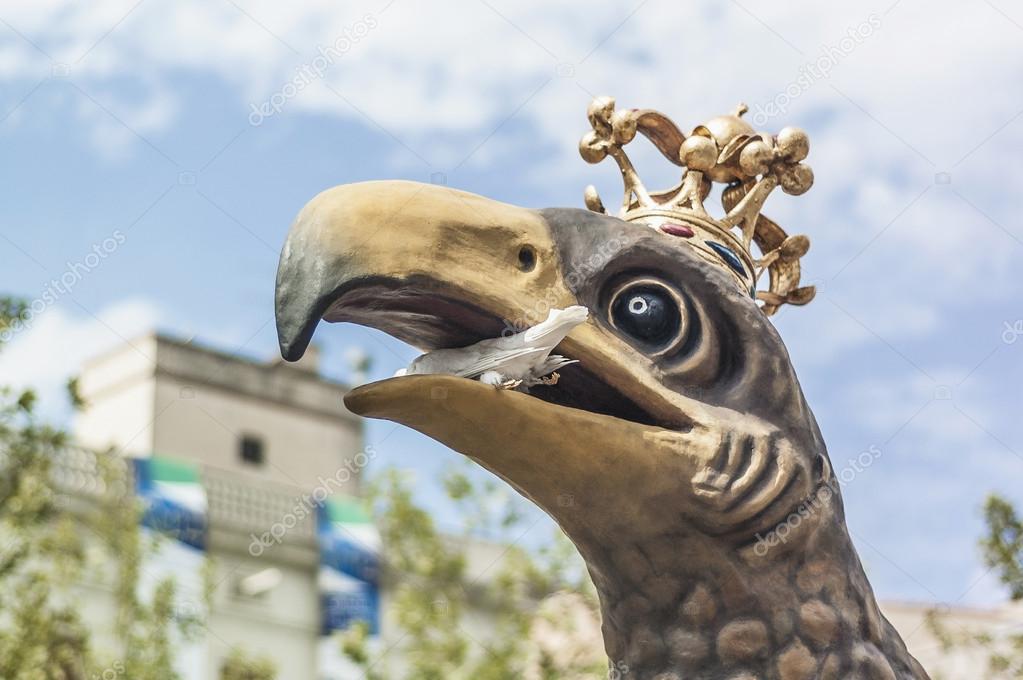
(553,363)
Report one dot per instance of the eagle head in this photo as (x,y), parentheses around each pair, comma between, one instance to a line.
(678,454)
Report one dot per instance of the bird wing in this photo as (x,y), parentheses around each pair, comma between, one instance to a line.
(496,360)
(557,325)
(529,349)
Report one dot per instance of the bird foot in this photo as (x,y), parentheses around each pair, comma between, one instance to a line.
(552,379)
(509,384)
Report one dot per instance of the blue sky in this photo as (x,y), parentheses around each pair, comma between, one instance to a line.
(133,121)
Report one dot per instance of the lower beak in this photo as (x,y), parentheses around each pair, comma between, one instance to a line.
(570,462)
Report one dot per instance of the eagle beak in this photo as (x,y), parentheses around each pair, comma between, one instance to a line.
(436,267)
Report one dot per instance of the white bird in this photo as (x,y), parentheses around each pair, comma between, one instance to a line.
(519,360)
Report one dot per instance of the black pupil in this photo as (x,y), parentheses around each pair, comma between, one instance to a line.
(647,313)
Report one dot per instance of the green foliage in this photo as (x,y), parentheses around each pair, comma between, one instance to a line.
(74,394)
(355,646)
(44,539)
(239,666)
(433,591)
(12,311)
(426,581)
(1003,545)
(145,628)
(41,636)
(1002,548)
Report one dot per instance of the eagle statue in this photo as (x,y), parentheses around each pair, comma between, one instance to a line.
(677,452)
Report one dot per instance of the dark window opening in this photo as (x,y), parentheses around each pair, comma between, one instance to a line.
(252,450)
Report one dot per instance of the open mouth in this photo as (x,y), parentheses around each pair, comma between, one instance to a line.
(419,314)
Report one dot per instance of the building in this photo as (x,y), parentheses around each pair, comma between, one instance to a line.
(263,439)
(272,422)
(966,662)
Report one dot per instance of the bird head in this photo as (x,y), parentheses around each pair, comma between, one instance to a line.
(679,440)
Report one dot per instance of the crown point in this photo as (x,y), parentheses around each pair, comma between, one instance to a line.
(794,247)
(793,144)
(624,126)
(724,149)
(592,148)
(725,129)
(599,112)
(755,158)
(699,153)
(592,200)
(797,180)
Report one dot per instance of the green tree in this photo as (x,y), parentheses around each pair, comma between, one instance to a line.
(432,591)
(41,635)
(1002,550)
(239,666)
(1003,544)
(45,536)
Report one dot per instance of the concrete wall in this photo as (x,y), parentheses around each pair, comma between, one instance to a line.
(960,663)
(119,387)
(283,623)
(157,395)
(207,424)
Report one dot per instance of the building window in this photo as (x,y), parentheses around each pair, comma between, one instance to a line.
(252,450)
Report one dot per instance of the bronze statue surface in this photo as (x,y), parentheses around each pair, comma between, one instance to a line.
(679,454)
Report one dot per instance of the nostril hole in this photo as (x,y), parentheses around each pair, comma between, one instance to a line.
(527,258)
(821,469)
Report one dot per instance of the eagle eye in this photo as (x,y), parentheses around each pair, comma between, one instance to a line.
(650,312)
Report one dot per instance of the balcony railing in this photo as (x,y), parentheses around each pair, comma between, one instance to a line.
(234,504)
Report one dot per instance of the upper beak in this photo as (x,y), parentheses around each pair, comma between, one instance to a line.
(407,240)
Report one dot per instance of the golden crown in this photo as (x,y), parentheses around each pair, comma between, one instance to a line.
(725,149)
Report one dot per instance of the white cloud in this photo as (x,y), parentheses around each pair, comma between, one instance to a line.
(443,76)
(455,66)
(53,348)
(899,105)
(983,588)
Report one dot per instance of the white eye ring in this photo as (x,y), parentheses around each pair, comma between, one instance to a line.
(638,305)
